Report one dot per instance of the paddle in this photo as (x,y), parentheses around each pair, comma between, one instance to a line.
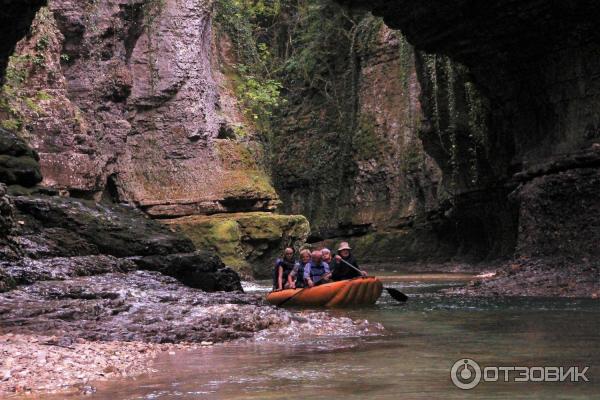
(291,297)
(395,293)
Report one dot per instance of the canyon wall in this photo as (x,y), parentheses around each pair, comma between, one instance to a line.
(349,153)
(455,130)
(128,102)
(352,161)
(533,129)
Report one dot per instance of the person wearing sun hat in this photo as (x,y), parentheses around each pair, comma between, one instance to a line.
(342,270)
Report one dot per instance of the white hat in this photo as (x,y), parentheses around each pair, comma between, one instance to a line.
(344,246)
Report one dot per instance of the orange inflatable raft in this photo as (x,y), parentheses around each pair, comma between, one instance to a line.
(353,292)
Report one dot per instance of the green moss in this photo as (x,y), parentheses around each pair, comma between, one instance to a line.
(42,95)
(11,124)
(247,242)
(367,39)
(32,105)
(366,143)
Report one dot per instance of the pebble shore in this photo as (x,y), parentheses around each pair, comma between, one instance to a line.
(36,363)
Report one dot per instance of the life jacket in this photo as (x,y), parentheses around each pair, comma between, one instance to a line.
(317,272)
(288,266)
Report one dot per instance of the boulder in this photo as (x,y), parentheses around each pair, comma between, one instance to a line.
(19,164)
(64,237)
(201,270)
(247,242)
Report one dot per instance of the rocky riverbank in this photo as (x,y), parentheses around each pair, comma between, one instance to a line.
(36,363)
(558,277)
(65,334)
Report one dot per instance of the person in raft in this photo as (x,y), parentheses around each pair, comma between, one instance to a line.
(316,271)
(296,277)
(283,268)
(342,270)
(328,258)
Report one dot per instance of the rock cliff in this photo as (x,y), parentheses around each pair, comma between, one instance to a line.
(456,129)
(516,85)
(347,154)
(128,102)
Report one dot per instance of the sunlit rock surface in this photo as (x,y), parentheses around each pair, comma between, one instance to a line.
(127,101)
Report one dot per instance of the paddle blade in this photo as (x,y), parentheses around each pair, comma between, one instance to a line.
(397,295)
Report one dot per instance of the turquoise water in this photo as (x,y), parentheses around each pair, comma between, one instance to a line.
(410,359)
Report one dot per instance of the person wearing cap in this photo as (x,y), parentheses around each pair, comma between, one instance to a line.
(342,270)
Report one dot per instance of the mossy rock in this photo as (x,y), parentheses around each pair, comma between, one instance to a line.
(247,242)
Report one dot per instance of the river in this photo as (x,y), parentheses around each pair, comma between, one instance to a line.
(410,359)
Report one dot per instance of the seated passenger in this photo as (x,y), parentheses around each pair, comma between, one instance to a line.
(328,258)
(296,277)
(316,271)
(342,270)
(283,267)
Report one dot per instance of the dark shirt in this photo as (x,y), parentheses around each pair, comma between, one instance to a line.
(342,271)
(288,267)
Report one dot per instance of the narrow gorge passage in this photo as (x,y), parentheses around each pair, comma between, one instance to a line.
(166,164)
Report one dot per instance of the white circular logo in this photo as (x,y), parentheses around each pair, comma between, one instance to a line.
(465,374)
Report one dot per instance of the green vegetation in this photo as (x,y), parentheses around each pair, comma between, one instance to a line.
(11,124)
(290,46)
(254,74)
(366,143)
(459,117)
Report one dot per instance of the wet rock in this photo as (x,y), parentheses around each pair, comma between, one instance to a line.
(78,227)
(6,212)
(556,277)
(65,237)
(27,271)
(19,164)
(200,270)
(8,248)
(142,306)
(248,242)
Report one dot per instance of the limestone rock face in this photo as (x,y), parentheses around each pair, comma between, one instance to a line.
(514,87)
(128,102)
(363,168)
(61,238)
(125,99)
(250,242)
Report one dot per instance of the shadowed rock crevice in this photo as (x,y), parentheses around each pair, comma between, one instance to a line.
(15,20)
(516,84)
